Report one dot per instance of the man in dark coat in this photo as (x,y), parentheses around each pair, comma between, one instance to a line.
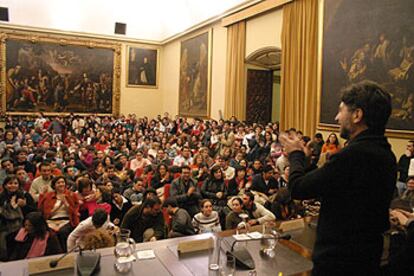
(181,222)
(145,221)
(355,186)
(265,182)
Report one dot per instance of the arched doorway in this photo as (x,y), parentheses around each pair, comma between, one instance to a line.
(263,85)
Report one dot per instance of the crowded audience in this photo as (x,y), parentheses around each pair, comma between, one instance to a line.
(160,178)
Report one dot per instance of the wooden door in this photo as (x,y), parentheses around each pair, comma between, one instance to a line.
(259,96)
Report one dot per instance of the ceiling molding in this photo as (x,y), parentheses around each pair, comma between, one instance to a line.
(78,34)
(249,12)
(266,57)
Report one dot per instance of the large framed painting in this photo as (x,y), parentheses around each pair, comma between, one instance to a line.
(58,74)
(143,67)
(374,40)
(195,73)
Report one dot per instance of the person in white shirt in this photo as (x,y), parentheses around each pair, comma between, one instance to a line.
(99,220)
(184,159)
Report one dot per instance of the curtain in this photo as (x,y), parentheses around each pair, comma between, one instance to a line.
(235,93)
(299,66)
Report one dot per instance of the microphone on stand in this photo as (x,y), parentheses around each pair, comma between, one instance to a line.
(54,263)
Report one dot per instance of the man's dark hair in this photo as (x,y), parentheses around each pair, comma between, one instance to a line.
(150,202)
(44,164)
(319,135)
(373,100)
(185,167)
(250,195)
(267,168)
(170,202)
(99,217)
(150,191)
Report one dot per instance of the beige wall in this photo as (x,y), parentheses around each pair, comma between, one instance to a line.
(141,101)
(263,31)
(257,36)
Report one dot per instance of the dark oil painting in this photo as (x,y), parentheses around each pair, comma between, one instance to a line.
(194,77)
(48,77)
(374,40)
(142,67)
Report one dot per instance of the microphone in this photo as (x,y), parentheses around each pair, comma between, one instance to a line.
(54,263)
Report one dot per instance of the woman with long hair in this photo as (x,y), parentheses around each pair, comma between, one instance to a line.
(35,239)
(11,214)
(331,145)
(162,176)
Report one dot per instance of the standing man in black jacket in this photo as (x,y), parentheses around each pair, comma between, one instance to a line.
(355,186)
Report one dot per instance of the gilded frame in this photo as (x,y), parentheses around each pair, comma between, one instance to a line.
(192,54)
(323,125)
(153,56)
(62,40)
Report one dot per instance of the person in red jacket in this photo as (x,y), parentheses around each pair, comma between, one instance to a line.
(60,208)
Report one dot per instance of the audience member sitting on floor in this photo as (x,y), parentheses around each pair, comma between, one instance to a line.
(233,218)
(98,220)
(35,239)
(207,220)
(257,213)
(119,206)
(180,219)
(98,238)
(145,221)
(265,182)
(284,208)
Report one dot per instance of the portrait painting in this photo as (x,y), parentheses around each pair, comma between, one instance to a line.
(194,89)
(54,76)
(369,40)
(143,67)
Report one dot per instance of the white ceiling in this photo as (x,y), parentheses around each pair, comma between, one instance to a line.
(148,20)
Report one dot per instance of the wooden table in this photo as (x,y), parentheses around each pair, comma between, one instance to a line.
(292,258)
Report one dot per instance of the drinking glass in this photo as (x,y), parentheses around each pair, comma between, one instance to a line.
(214,254)
(227,265)
(269,239)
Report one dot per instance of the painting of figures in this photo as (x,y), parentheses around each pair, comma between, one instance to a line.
(142,67)
(50,77)
(194,90)
(369,40)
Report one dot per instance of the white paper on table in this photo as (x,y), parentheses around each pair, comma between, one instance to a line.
(241,237)
(146,254)
(123,260)
(255,235)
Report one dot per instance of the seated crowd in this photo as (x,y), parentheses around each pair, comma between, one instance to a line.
(69,181)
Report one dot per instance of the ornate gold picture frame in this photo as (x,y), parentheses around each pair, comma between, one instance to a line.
(58,74)
(368,40)
(195,76)
(143,67)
